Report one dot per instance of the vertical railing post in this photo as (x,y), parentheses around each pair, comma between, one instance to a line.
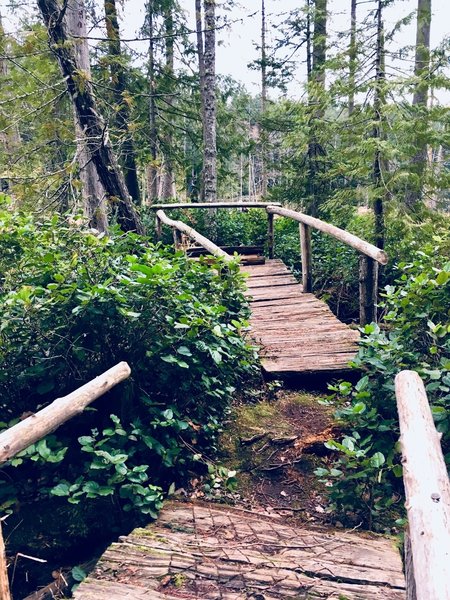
(270,234)
(305,246)
(4,584)
(177,241)
(368,289)
(158,229)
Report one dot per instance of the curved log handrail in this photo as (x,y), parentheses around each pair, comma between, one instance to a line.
(193,234)
(213,205)
(340,234)
(427,489)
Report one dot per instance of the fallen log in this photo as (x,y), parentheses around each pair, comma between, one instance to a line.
(37,426)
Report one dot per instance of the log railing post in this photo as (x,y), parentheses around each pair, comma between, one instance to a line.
(368,289)
(270,234)
(4,583)
(305,246)
(158,228)
(427,489)
(177,242)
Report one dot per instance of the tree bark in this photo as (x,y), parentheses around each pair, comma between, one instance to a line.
(152,171)
(352,59)
(319,42)
(316,152)
(209,95)
(10,139)
(420,102)
(93,192)
(379,164)
(168,178)
(262,133)
(95,130)
(119,85)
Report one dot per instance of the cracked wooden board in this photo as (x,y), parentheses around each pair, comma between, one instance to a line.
(211,552)
(296,332)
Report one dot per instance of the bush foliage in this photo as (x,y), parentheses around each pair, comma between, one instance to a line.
(366,477)
(72,305)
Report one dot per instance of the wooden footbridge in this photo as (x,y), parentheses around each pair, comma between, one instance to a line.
(297,333)
(208,552)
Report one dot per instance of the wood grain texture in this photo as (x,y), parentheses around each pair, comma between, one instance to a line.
(296,332)
(210,552)
(427,489)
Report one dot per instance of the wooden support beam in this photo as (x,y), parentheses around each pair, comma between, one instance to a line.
(427,489)
(213,205)
(305,246)
(194,235)
(33,428)
(4,583)
(158,229)
(368,290)
(340,234)
(270,234)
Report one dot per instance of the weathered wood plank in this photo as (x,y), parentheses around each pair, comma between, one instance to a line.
(296,331)
(201,551)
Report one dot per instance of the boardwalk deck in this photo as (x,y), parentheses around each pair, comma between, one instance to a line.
(297,332)
(212,553)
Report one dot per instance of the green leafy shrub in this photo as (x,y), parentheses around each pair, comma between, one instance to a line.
(72,305)
(365,479)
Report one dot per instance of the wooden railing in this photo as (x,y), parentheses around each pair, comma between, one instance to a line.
(370,256)
(37,426)
(427,489)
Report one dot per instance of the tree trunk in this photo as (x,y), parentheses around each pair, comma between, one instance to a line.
(352,59)
(420,101)
(262,133)
(92,190)
(379,164)
(95,130)
(119,85)
(9,139)
(168,179)
(201,75)
(209,95)
(152,171)
(316,152)
(319,42)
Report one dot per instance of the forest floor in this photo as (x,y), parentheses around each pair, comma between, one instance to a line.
(275,447)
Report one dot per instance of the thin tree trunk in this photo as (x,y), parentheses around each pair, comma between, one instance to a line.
(352,59)
(152,171)
(119,85)
(319,42)
(93,126)
(209,95)
(308,41)
(168,179)
(262,135)
(420,101)
(379,164)
(201,75)
(92,191)
(10,139)
(316,152)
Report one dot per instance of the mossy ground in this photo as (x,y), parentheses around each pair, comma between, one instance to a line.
(275,445)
